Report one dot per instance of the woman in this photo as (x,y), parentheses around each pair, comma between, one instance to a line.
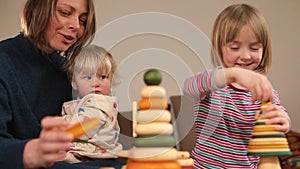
(33,85)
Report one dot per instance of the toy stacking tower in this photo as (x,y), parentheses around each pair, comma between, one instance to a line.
(153,144)
(267,143)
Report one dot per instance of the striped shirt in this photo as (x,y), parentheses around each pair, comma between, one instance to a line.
(224,120)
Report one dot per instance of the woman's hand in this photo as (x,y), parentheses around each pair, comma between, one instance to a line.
(50,147)
(278,117)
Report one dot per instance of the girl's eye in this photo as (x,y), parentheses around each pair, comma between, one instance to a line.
(234,47)
(256,48)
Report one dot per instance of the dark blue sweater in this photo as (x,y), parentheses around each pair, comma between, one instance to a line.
(32,86)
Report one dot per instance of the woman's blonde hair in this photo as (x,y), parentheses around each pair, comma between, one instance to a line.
(93,59)
(36,16)
(229,23)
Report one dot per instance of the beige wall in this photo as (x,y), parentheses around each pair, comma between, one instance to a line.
(282,16)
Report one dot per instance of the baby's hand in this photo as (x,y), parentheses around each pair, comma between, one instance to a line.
(278,117)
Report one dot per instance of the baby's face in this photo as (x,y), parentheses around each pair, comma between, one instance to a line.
(98,83)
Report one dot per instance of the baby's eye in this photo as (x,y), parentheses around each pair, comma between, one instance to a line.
(102,77)
(87,77)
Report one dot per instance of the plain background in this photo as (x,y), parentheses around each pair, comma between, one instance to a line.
(282,17)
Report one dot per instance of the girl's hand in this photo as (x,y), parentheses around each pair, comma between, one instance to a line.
(256,83)
(278,117)
(50,147)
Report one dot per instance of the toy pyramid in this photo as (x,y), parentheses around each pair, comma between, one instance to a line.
(153,143)
(267,143)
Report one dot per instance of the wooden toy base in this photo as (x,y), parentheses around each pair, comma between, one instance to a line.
(153,165)
(269,162)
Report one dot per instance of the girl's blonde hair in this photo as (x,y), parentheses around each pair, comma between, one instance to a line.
(229,23)
(36,16)
(93,59)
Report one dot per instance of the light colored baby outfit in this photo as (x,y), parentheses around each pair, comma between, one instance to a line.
(101,142)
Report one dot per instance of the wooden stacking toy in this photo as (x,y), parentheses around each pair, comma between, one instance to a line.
(153,143)
(267,143)
(184,160)
(83,127)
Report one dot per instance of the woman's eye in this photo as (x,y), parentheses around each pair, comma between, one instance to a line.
(83,20)
(64,12)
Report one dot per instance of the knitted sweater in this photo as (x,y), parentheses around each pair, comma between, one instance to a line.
(224,120)
(32,86)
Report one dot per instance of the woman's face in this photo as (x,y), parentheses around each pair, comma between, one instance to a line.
(244,51)
(67,25)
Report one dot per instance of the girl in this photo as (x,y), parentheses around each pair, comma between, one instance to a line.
(227,97)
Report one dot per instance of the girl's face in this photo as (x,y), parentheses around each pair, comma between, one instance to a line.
(67,25)
(91,83)
(244,51)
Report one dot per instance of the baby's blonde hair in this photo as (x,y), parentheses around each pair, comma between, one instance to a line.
(93,59)
(229,23)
